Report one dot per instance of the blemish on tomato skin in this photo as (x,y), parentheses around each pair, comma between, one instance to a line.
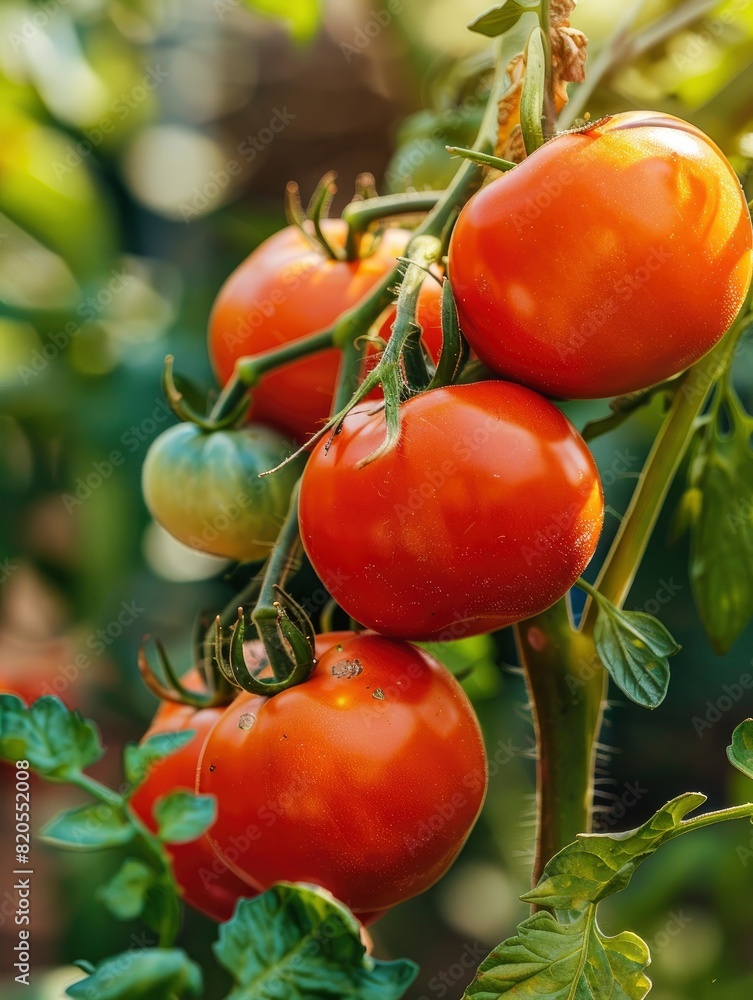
(347,668)
(246,721)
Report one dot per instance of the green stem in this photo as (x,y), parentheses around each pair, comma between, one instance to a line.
(97,790)
(710,819)
(567,685)
(266,613)
(360,214)
(550,112)
(101,793)
(350,374)
(249,369)
(622,562)
(483,159)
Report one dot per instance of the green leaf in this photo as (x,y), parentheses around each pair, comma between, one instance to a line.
(532,94)
(497,20)
(56,742)
(182,816)
(597,865)
(299,943)
(634,647)
(125,894)
(740,751)
(555,961)
(91,827)
(139,757)
(721,539)
(301,17)
(144,974)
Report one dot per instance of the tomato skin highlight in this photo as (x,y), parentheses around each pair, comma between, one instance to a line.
(286,290)
(207,884)
(206,491)
(607,261)
(485,513)
(366,779)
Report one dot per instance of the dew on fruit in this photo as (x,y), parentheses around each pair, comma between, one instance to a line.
(246,721)
(378,694)
(347,668)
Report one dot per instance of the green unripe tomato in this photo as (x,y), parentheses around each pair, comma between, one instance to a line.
(204,488)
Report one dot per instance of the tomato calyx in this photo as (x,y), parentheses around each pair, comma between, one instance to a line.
(176,397)
(309,221)
(284,643)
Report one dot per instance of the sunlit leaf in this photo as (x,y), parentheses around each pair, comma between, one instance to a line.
(546,959)
(597,865)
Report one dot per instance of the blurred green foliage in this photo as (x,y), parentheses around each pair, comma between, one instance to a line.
(119,120)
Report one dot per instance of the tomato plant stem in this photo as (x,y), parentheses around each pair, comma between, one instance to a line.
(360,214)
(285,556)
(550,114)
(622,562)
(566,684)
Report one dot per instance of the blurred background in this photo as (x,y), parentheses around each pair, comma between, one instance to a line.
(144,149)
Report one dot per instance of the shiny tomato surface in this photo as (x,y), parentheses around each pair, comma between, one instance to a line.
(486,512)
(207,884)
(365,780)
(287,289)
(607,261)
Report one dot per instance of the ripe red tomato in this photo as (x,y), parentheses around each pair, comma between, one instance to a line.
(485,513)
(366,779)
(606,262)
(207,884)
(286,290)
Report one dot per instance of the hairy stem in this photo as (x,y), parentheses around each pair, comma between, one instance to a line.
(566,684)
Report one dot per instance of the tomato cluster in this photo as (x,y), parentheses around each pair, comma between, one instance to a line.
(575,275)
